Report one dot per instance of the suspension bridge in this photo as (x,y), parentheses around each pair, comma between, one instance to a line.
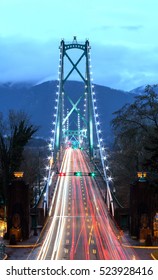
(80,222)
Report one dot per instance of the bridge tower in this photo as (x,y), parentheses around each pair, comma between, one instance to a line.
(84,108)
(61,119)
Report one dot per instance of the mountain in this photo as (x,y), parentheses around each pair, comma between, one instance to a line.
(138,90)
(39,102)
(141,90)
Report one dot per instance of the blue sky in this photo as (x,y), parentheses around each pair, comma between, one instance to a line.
(122,35)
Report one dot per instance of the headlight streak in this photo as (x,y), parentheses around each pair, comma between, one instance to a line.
(106,233)
(93,213)
(100,234)
(83,222)
(58,207)
(64,185)
(56,188)
(50,180)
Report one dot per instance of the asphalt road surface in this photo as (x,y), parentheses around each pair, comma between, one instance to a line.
(80,226)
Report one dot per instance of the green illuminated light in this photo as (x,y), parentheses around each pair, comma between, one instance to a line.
(78,173)
(92,174)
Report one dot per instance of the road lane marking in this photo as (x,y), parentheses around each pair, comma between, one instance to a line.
(90,235)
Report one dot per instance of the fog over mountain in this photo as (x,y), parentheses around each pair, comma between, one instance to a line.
(141,90)
(38,101)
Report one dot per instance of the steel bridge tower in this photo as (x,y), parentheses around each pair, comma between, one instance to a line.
(88,129)
(62,133)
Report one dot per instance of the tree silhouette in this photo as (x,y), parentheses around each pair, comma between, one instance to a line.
(136,138)
(12,146)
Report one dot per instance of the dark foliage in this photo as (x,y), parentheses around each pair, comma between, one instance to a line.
(12,146)
(136,138)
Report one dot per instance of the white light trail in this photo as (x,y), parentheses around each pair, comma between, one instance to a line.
(58,219)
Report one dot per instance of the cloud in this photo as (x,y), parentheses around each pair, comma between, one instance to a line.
(124,67)
(124,27)
(24,59)
(105,27)
(114,65)
(132,27)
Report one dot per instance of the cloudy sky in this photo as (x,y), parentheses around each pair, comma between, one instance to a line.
(122,35)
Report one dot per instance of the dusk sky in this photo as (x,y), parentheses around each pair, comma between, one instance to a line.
(122,35)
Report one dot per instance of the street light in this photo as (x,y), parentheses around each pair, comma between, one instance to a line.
(141,176)
(18,174)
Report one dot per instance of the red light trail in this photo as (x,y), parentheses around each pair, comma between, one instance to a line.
(80,225)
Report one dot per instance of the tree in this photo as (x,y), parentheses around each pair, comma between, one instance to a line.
(136,136)
(13,139)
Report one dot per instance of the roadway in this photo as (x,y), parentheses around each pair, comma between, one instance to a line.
(80,226)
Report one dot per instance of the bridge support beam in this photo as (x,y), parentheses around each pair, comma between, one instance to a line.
(59,120)
(88,122)
(89,101)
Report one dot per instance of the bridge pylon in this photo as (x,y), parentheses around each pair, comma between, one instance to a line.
(78,109)
(83,72)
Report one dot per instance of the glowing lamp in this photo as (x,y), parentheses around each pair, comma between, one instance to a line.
(78,173)
(18,174)
(141,176)
(62,174)
(92,174)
